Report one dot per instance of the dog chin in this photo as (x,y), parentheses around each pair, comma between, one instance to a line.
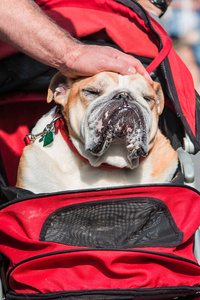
(116,157)
(121,162)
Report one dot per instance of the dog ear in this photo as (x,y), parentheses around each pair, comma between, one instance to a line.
(159,97)
(58,88)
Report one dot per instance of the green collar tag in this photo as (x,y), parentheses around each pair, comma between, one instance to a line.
(48,138)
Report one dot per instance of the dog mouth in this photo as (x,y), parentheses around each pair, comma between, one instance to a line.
(119,119)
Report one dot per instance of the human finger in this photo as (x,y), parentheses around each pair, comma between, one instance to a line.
(95,59)
(115,65)
(132,61)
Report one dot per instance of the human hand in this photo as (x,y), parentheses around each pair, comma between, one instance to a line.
(91,59)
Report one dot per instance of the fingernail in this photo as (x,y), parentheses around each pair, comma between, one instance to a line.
(131,70)
(151,81)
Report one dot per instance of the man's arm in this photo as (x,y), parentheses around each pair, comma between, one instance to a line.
(24,26)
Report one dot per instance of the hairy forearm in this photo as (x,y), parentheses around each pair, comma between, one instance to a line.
(24,26)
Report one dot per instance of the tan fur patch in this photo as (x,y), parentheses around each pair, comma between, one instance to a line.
(167,154)
(22,166)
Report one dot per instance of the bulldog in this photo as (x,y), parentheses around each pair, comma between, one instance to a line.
(102,133)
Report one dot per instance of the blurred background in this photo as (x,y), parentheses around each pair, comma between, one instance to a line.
(182,23)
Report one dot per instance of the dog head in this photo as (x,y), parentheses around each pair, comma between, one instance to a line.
(111,118)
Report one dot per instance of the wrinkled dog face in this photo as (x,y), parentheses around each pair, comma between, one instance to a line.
(109,109)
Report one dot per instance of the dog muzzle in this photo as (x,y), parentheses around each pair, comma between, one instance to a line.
(120,119)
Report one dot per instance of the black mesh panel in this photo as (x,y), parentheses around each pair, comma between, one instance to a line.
(116,223)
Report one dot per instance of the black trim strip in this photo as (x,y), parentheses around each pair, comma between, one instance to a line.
(112,294)
(3,176)
(173,96)
(136,7)
(141,12)
(32,196)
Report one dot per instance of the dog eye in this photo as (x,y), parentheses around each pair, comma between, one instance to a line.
(148,98)
(91,93)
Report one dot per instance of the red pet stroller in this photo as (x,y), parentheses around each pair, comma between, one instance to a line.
(129,243)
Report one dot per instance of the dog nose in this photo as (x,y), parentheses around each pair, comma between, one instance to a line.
(123,96)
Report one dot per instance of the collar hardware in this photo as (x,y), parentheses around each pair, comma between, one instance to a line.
(47,135)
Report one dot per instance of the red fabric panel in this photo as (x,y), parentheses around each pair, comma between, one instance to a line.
(185,89)
(167,46)
(97,269)
(91,21)
(90,270)
(178,200)
(16,117)
(183,81)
